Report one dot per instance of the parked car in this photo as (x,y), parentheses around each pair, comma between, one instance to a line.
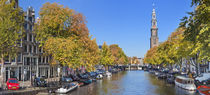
(170,78)
(203,77)
(66,79)
(40,82)
(92,74)
(74,77)
(206,82)
(12,84)
(101,71)
(83,76)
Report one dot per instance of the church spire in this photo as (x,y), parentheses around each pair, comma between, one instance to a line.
(154,20)
(154,30)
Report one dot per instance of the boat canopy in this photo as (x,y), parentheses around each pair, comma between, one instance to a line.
(184,78)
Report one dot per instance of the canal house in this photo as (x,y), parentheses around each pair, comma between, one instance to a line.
(30,60)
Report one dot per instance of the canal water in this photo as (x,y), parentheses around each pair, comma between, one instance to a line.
(130,83)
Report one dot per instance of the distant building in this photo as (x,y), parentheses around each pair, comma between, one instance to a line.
(141,62)
(154,31)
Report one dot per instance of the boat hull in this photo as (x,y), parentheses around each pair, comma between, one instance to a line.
(64,91)
(190,87)
(204,90)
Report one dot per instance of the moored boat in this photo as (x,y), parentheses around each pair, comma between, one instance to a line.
(108,74)
(139,68)
(87,81)
(80,84)
(185,83)
(99,76)
(204,90)
(170,79)
(67,88)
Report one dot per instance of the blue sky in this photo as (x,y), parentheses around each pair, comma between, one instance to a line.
(124,22)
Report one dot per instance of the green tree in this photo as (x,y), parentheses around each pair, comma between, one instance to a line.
(197,29)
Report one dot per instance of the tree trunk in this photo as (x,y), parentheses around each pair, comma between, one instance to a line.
(106,67)
(2,71)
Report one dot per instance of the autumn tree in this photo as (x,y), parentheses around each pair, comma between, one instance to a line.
(152,57)
(54,21)
(135,60)
(65,51)
(106,55)
(65,36)
(90,53)
(11,22)
(118,54)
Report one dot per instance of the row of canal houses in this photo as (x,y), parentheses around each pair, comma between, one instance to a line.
(30,60)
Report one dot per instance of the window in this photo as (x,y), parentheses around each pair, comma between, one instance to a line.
(6,59)
(30,48)
(47,59)
(43,59)
(25,48)
(154,41)
(35,60)
(31,27)
(28,61)
(25,60)
(40,49)
(34,39)
(39,59)
(13,59)
(30,19)
(34,49)
(31,37)
(25,37)
(154,24)
(153,16)
(25,26)
(19,57)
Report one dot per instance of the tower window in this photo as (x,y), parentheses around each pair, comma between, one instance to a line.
(154,24)
(154,41)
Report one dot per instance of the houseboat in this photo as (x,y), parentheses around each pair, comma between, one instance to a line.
(185,83)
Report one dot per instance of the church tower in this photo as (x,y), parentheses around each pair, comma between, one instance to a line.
(154,30)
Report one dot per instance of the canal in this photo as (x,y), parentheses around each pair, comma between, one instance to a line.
(130,83)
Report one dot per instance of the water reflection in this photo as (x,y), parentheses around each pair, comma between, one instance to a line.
(130,83)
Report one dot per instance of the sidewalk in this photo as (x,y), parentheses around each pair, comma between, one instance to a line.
(27,91)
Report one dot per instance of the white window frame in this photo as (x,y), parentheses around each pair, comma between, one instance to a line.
(28,37)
